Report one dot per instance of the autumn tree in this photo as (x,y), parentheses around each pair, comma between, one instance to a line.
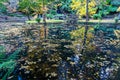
(44,6)
(80,7)
(25,6)
(35,7)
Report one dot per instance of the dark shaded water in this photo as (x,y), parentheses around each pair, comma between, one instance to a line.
(53,52)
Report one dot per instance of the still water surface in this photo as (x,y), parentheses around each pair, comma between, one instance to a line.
(54,52)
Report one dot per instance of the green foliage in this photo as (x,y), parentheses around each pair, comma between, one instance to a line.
(2,57)
(37,8)
(116,19)
(51,13)
(50,16)
(3,8)
(14,56)
(115,2)
(65,6)
(38,20)
(104,8)
(30,7)
(2,53)
(8,64)
(25,6)
(2,49)
(46,2)
(97,16)
(112,8)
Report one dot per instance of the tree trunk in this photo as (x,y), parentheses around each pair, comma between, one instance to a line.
(44,19)
(86,29)
(28,15)
(87,13)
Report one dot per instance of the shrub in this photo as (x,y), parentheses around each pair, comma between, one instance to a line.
(38,20)
(116,19)
(97,16)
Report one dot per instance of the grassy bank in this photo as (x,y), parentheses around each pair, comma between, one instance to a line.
(48,21)
(106,21)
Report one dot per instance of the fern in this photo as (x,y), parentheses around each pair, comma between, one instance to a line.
(3,8)
(15,54)
(2,49)
(2,53)
(8,64)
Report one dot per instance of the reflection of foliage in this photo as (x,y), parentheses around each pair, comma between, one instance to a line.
(44,58)
(59,33)
(33,34)
(42,61)
(58,55)
(117,33)
(93,59)
(78,35)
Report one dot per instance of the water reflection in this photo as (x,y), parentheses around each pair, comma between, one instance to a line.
(54,52)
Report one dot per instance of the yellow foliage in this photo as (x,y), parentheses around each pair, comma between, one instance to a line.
(43,32)
(80,7)
(117,33)
(118,10)
(78,35)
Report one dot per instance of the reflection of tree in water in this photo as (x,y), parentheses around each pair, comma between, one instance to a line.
(96,64)
(43,32)
(42,61)
(57,57)
(35,33)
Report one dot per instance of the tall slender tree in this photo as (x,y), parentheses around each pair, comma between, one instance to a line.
(86,28)
(25,6)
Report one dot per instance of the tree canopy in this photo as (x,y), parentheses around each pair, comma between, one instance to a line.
(80,7)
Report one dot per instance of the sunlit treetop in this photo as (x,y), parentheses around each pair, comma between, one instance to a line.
(36,6)
(118,10)
(80,7)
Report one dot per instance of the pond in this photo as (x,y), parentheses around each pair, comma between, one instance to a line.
(59,52)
